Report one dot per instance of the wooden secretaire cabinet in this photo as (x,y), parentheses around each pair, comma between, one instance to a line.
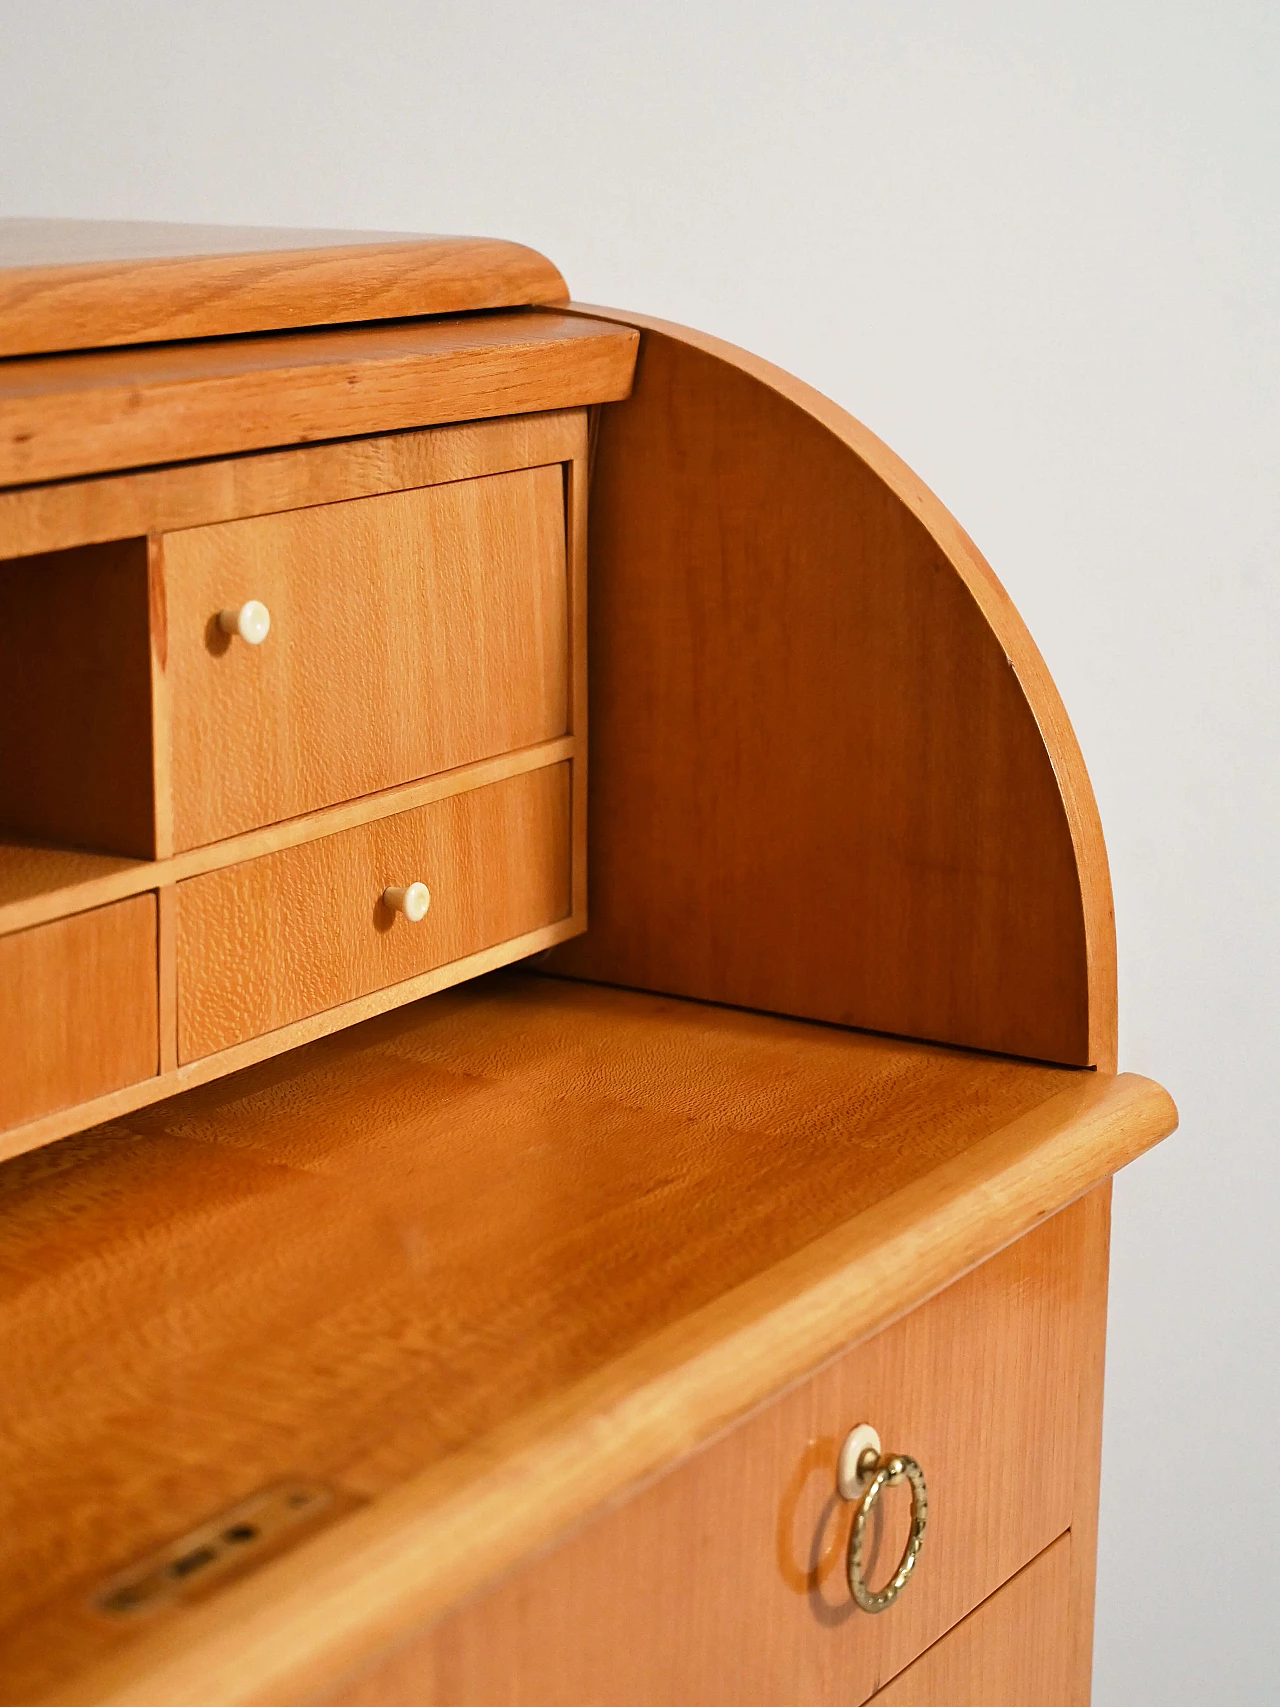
(557,987)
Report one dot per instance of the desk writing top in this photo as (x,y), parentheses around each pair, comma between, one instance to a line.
(480,1264)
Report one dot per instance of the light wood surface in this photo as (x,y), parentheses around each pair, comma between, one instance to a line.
(268,942)
(167,976)
(685,1210)
(77,1008)
(1014,1651)
(1077,1665)
(62,416)
(76,284)
(31,873)
(161,500)
(832,776)
(727,1575)
(38,882)
(160,747)
(577,501)
(47,1129)
(75,699)
(410,633)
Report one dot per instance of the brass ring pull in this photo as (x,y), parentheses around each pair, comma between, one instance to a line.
(864,1474)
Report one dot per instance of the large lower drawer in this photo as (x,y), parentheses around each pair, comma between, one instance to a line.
(409,633)
(276,939)
(723,1583)
(78,1009)
(1014,1651)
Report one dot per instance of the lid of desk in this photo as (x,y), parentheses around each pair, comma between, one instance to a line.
(75,284)
(481,1264)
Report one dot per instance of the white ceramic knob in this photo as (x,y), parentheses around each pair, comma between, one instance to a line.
(850,1481)
(412,902)
(252,622)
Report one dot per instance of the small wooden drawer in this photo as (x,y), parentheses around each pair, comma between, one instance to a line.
(78,1008)
(409,633)
(292,933)
(727,1575)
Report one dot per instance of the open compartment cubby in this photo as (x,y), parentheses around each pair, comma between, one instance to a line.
(75,719)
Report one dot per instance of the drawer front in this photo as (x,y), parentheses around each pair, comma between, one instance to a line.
(78,1008)
(409,633)
(1014,1651)
(723,1582)
(278,938)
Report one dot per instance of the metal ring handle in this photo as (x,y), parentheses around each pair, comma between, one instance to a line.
(888,1474)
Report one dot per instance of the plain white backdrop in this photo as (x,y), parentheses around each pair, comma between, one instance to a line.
(1037,250)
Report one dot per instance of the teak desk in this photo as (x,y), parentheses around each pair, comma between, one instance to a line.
(472,1236)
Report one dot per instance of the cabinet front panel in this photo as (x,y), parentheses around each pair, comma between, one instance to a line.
(723,1583)
(409,633)
(77,1008)
(290,934)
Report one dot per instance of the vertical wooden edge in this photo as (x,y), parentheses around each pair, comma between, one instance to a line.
(1080,806)
(161,726)
(593,440)
(577,486)
(167,972)
(1088,1468)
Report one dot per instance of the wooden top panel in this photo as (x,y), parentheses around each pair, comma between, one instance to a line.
(68,284)
(399,1259)
(68,415)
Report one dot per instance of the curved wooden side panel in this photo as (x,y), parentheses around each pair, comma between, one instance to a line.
(831,776)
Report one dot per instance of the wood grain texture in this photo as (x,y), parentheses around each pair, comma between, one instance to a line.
(77,1008)
(161,500)
(1014,1651)
(30,872)
(161,744)
(1078,1663)
(268,942)
(728,1574)
(80,284)
(39,883)
(815,709)
(167,974)
(685,1209)
(75,718)
(47,1129)
(62,416)
(576,502)
(410,633)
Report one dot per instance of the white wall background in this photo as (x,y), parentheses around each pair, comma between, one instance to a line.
(1038,250)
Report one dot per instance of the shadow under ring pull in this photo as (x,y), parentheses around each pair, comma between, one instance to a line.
(863,1473)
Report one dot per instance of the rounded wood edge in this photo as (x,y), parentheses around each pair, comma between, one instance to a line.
(313,1618)
(141,300)
(1001,616)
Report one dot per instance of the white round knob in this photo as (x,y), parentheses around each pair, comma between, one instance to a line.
(412,902)
(850,1480)
(252,622)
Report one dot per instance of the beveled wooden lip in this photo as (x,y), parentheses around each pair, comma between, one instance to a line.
(86,284)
